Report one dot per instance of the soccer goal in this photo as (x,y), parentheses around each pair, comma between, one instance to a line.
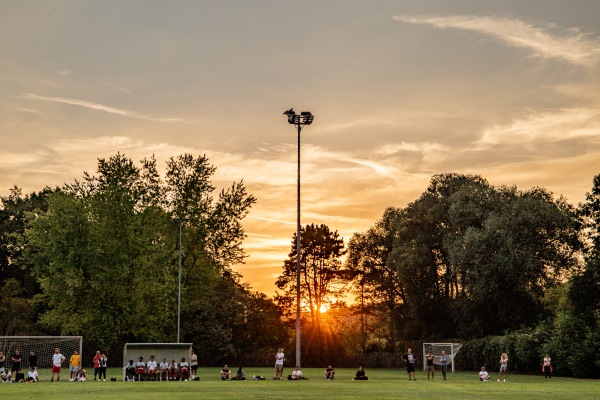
(170,351)
(436,348)
(42,347)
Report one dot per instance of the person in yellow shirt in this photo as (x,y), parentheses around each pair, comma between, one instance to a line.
(74,365)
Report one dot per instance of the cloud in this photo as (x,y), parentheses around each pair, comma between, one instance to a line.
(102,107)
(112,85)
(572,45)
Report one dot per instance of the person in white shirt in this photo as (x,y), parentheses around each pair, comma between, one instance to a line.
(57,360)
(184,370)
(163,370)
(194,365)
(32,375)
(296,375)
(173,370)
(483,375)
(152,366)
(6,375)
(503,366)
(279,359)
(140,369)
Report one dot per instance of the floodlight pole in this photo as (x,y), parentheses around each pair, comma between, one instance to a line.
(305,118)
(180,221)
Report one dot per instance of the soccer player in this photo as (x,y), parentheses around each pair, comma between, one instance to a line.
(32,375)
(444,364)
(173,370)
(129,371)
(429,365)
(547,367)
(483,375)
(16,361)
(163,370)
(225,373)
(74,365)
(279,359)
(503,366)
(410,359)
(329,373)
(184,370)
(152,368)
(33,360)
(57,360)
(194,365)
(140,369)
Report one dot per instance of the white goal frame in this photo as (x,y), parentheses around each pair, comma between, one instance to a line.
(172,351)
(42,345)
(453,347)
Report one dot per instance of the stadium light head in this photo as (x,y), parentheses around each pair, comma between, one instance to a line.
(304,118)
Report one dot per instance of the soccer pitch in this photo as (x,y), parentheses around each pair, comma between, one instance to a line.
(382,384)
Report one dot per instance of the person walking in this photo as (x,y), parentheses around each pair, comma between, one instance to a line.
(444,364)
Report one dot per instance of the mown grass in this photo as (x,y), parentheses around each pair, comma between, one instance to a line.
(382,384)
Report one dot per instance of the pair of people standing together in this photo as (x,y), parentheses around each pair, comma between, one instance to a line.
(100,366)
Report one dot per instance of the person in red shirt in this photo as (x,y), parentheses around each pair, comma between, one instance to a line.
(96,364)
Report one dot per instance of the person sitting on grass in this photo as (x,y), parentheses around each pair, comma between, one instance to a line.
(329,372)
(360,375)
(240,375)
(296,375)
(483,375)
(140,369)
(19,377)
(225,373)
(6,375)
(32,375)
(82,374)
(184,370)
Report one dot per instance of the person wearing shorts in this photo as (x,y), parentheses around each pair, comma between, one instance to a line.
(57,360)
(503,366)
(140,369)
(279,359)
(96,365)
(410,359)
(163,367)
(152,366)
(184,370)
(74,365)
(194,365)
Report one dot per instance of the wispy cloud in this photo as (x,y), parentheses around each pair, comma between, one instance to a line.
(570,45)
(101,107)
(112,85)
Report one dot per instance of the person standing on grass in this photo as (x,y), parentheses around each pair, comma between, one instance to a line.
(547,367)
(410,359)
(96,365)
(57,360)
(102,364)
(503,366)
(279,359)
(444,364)
(16,361)
(74,365)
(33,360)
(429,365)
(2,361)
(194,365)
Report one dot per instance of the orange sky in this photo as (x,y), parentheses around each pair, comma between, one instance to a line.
(400,91)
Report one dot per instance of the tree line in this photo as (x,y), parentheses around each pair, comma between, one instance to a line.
(497,268)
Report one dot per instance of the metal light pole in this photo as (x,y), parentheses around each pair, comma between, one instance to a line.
(180,221)
(305,118)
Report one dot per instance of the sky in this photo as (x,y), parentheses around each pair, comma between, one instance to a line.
(400,90)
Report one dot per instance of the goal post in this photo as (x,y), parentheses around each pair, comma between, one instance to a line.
(170,351)
(42,346)
(451,350)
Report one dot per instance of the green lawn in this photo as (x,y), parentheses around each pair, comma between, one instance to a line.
(383,384)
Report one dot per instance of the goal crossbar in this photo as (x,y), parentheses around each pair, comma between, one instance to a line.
(451,350)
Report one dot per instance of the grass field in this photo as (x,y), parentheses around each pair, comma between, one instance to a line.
(382,384)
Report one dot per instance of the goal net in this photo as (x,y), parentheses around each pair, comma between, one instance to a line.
(41,346)
(170,351)
(436,349)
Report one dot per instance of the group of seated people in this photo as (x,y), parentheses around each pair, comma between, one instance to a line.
(294,376)
(152,371)
(7,377)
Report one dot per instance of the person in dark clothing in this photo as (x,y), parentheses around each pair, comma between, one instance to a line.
(360,375)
